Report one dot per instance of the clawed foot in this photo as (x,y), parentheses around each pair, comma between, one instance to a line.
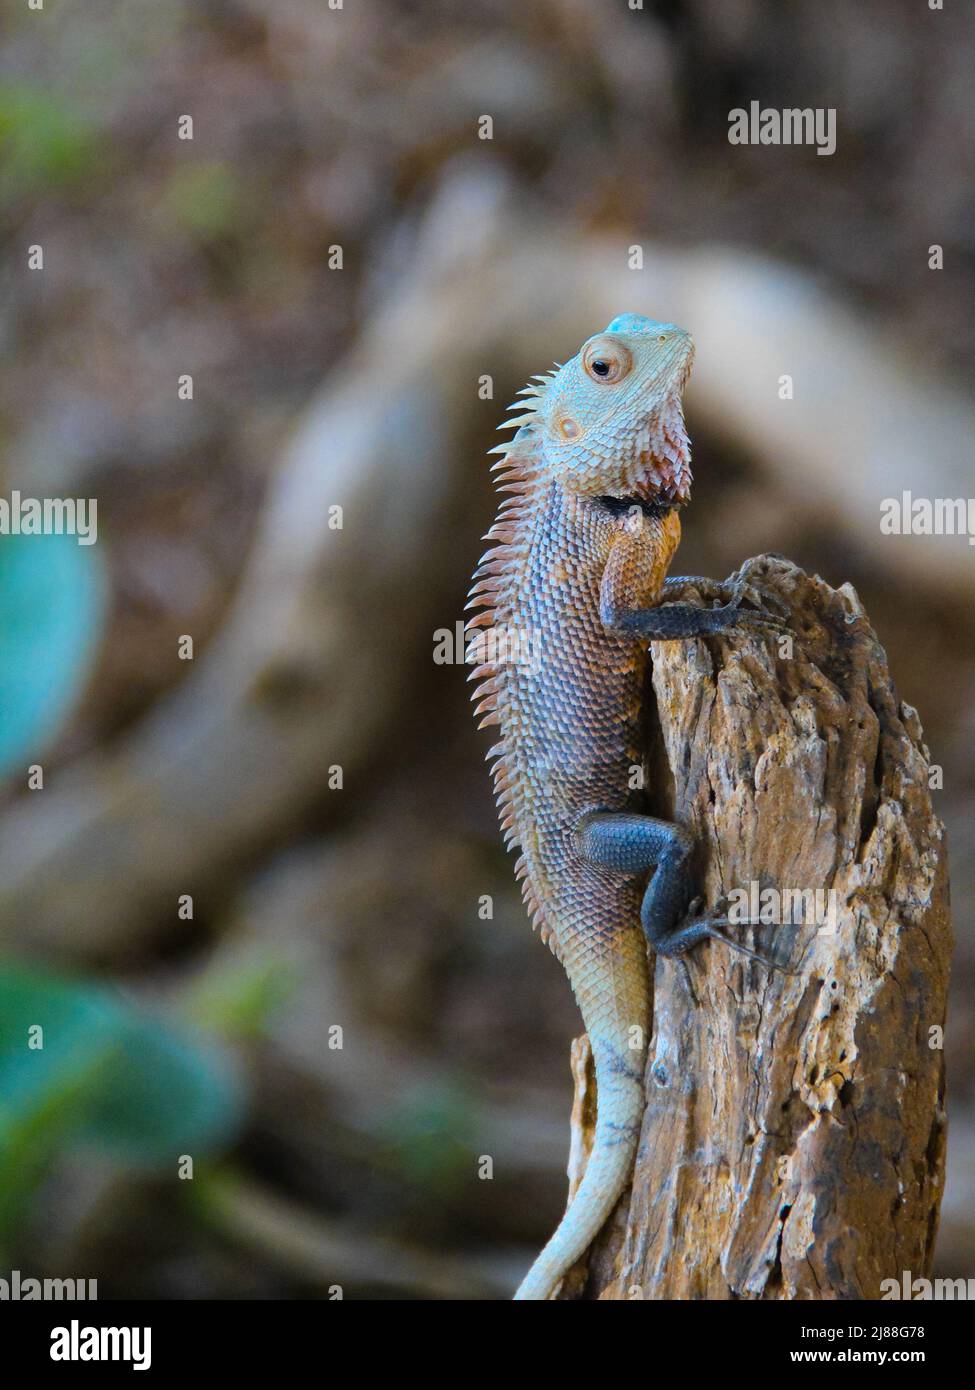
(715,922)
(757,619)
(693,929)
(729,595)
(758,597)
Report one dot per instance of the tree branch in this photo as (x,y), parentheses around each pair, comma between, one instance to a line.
(794,1135)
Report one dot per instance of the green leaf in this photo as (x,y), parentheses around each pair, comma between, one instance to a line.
(44,144)
(108,1075)
(430,1132)
(51,611)
(205,200)
(237,998)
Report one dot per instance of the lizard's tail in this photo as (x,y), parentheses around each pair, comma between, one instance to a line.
(616,1012)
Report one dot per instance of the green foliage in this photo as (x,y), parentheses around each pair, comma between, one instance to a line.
(237,999)
(108,1076)
(44,145)
(51,609)
(204,200)
(431,1135)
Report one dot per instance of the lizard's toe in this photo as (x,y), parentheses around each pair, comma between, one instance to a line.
(761,621)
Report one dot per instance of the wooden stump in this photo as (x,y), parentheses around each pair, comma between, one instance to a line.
(794,1136)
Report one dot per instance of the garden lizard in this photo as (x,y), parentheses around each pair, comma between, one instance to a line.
(574,588)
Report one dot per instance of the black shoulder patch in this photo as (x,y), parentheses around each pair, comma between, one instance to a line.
(651,507)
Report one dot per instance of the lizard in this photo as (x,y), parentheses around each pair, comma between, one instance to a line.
(573,589)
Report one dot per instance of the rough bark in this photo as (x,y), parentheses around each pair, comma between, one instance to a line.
(794,1136)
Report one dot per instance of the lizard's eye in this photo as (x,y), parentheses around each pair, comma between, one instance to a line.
(606,361)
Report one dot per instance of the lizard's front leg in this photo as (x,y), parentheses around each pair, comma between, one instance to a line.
(633,583)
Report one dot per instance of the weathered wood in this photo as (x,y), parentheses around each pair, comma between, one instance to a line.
(794,1136)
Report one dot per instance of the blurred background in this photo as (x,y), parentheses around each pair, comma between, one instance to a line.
(247,904)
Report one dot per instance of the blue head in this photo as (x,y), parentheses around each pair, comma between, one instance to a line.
(611,420)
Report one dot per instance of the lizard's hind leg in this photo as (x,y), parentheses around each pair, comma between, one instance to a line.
(633,844)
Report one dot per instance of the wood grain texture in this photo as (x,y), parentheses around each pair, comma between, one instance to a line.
(794,1136)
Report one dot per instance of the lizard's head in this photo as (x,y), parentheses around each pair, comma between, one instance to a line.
(611,421)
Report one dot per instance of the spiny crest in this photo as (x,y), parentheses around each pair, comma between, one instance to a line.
(517,473)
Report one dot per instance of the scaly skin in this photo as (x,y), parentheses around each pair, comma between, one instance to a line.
(596,474)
